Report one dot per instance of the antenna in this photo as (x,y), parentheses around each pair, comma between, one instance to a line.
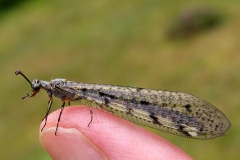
(19,72)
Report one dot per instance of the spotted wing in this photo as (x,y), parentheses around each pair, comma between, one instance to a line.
(173,112)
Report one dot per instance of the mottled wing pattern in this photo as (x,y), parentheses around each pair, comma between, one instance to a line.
(173,112)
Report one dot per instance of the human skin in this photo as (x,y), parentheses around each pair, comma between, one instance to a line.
(107,137)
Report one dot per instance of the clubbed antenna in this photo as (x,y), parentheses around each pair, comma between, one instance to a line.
(19,72)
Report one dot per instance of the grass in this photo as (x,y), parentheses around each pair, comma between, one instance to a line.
(115,42)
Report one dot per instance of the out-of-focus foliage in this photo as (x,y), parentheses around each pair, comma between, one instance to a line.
(191,22)
(9,4)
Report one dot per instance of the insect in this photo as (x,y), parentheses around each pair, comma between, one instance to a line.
(173,112)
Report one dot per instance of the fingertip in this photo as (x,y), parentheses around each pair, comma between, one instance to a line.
(107,135)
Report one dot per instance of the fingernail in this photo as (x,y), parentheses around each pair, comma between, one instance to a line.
(69,143)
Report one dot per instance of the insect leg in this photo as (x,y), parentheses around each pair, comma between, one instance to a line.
(91,113)
(49,108)
(59,117)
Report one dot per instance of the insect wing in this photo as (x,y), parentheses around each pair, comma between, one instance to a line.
(173,112)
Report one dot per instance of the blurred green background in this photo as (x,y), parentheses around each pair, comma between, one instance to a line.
(189,46)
